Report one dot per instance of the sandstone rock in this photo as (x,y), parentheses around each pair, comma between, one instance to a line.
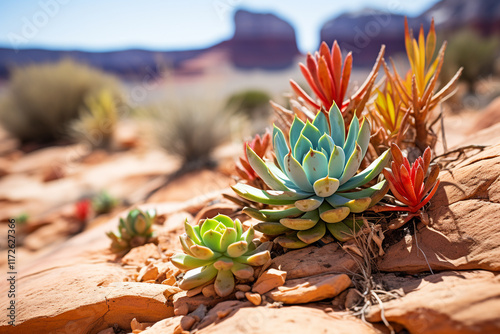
(208,291)
(184,304)
(79,297)
(314,260)
(187,322)
(139,326)
(79,287)
(306,290)
(448,302)
(222,310)
(147,273)
(352,298)
(211,211)
(243,287)
(254,298)
(292,319)
(269,280)
(462,235)
(137,256)
(239,295)
(169,325)
(489,116)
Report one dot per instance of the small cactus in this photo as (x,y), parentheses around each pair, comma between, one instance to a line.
(218,248)
(135,230)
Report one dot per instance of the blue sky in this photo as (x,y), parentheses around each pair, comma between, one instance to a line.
(164,24)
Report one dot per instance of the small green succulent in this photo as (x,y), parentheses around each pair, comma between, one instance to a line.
(135,230)
(316,178)
(218,249)
(104,203)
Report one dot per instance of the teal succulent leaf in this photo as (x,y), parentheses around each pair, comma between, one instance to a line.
(364,136)
(337,130)
(311,132)
(367,192)
(326,187)
(373,170)
(352,165)
(280,148)
(260,167)
(315,165)
(303,146)
(309,204)
(297,174)
(336,163)
(321,123)
(295,131)
(326,144)
(268,197)
(352,136)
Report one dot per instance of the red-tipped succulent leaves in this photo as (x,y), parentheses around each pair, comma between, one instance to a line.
(260,146)
(408,184)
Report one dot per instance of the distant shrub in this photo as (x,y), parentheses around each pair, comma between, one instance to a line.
(191,129)
(98,119)
(42,100)
(250,102)
(475,53)
(104,203)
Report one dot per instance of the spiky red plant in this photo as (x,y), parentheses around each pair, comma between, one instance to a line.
(82,209)
(327,74)
(258,145)
(407,182)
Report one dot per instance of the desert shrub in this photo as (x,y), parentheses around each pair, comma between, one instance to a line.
(42,100)
(104,202)
(98,119)
(475,53)
(250,102)
(191,129)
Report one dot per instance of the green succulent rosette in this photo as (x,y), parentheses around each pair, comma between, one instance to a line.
(218,249)
(135,230)
(316,178)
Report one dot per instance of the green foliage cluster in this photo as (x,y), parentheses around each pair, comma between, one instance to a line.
(191,130)
(42,100)
(475,53)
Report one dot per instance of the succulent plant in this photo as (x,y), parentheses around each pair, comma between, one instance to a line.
(408,184)
(98,119)
(260,146)
(316,178)
(328,75)
(218,248)
(104,203)
(82,209)
(135,230)
(417,88)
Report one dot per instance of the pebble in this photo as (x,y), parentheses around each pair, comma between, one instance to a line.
(254,298)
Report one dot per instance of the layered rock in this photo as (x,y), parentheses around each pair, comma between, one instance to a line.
(464,211)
